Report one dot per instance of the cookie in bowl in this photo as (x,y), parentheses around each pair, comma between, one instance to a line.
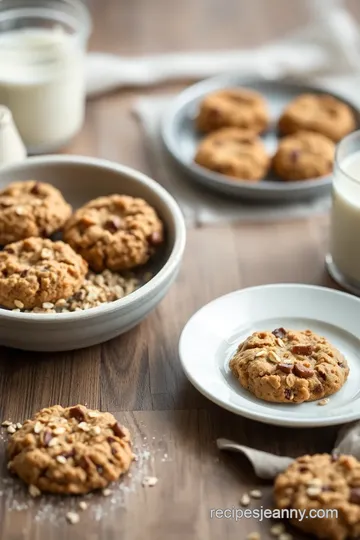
(304,155)
(289,366)
(234,152)
(320,113)
(117,232)
(36,271)
(70,450)
(235,107)
(31,208)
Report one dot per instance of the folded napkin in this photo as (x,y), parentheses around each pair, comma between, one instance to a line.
(330,43)
(267,466)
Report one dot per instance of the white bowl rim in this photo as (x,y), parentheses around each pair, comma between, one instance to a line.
(169,267)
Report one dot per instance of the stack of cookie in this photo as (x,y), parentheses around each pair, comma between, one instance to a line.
(234,119)
(106,236)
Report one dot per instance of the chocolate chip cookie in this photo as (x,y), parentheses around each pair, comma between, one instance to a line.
(325,483)
(31,209)
(117,232)
(234,152)
(289,366)
(320,113)
(35,271)
(304,155)
(236,107)
(70,451)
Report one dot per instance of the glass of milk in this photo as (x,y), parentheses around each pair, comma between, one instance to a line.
(42,53)
(343,261)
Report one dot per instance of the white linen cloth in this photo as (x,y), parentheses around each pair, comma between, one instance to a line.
(326,51)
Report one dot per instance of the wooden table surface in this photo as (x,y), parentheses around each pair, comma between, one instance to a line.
(138,376)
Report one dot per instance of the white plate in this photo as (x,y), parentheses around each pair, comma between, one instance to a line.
(211,337)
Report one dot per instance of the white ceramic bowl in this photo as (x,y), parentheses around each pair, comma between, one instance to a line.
(81,179)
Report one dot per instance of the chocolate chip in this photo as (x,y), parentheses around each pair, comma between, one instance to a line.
(288,393)
(77,413)
(279,332)
(47,436)
(23,273)
(113,451)
(305,350)
(302,371)
(355,495)
(155,238)
(322,375)
(318,389)
(9,250)
(286,368)
(71,453)
(303,469)
(99,469)
(111,439)
(294,155)
(113,224)
(118,430)
(35,190)
(326,488)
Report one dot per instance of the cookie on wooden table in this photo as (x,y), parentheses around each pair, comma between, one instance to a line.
(304,155)
(70,450)
(31,208)
(320,113)
(117,232)
(236,107)
(318,484)
(35,271)
(234,152)
(289,366)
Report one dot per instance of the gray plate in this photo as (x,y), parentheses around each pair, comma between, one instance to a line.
(181,138)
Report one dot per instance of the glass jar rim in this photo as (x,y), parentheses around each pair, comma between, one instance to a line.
(19,8)
(348,138)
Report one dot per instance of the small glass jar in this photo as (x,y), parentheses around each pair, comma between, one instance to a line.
(42,75)
(343,260)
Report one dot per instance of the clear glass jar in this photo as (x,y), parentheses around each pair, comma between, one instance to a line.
(343,260)
(42,75)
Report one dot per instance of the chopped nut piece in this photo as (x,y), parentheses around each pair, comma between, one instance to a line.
(245,500)
(84,426)
(93,414)
(11,429)
(312,491)
(18,425)
(48,305)
(61,459)
(18,304)
(323,402)
(34,491)
(280,342)
(260,353)
(277,529)
(6,423)
(149,481)
(20,211)
(315,482)
(53,442)
(73,517)
(96,430)
(273,357)
(83,505)
(59,430)
(106,492)
(285,536)
(46,253)
(256,494)
(253,536)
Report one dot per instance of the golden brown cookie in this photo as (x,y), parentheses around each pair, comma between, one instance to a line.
(234,152)
(320,113)
(235,107)
(289,366)
(36,271)
(31,209)
(326,490)
(117,232)
(304,155)
(69,451)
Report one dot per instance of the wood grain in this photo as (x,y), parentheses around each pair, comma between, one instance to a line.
(138,376)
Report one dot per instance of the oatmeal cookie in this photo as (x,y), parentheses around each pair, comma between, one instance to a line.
(117,232)
(36,271)
(234,152)
(69,451)
(289,366)
(318,112)
(304,155)
(31,209)
(323,482)
(236,107)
